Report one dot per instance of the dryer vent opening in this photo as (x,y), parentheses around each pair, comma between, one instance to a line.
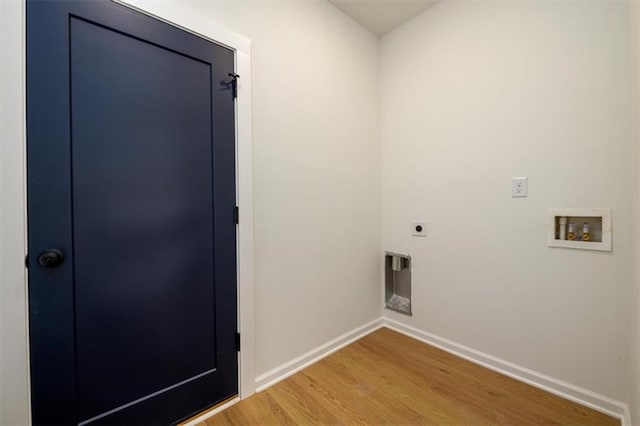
(397,278)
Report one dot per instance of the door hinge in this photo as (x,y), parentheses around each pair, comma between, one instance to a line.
(26,261)
(237,342)
(236,215)
(234,83)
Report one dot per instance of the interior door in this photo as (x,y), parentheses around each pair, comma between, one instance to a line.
(131,196)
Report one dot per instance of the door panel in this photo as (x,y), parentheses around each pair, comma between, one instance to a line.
(142,216)
(131,157)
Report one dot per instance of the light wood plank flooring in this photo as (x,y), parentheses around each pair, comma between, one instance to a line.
(389,378)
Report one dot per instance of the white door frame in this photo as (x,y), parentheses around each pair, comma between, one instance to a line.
(15,406)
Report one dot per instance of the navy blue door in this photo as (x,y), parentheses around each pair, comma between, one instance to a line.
(131,195)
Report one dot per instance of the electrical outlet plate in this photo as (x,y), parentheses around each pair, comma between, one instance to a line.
(519,187)
(419,228)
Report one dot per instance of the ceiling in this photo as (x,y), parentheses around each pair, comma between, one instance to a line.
(382,16)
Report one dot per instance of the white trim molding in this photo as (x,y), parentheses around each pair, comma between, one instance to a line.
(288,369)
(15,405)
(533,378)
(549,384)
(246,310)
(181,16)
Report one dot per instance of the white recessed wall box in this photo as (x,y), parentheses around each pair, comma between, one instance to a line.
(585,229)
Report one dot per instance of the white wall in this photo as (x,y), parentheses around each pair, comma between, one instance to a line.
(473,94)
(316,172)
(634,377)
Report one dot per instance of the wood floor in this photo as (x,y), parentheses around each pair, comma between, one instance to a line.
(388,378)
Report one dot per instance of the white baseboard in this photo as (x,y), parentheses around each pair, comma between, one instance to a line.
(272,377)
(549,384)
(626,420)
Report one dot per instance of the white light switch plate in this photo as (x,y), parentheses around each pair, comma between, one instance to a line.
(419,228)
(519,187)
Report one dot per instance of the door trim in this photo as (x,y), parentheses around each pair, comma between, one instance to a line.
(15,382)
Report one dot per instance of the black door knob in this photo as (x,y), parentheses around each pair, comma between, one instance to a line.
(51,258)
